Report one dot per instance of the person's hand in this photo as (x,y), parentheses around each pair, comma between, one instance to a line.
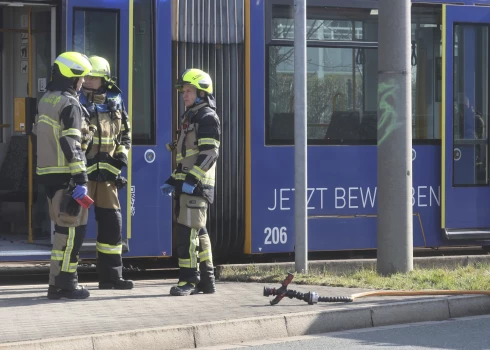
(167,189)
(188,188)
(79,192)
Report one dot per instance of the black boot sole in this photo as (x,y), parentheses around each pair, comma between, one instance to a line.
(58,296)
(177,292)
(206,288)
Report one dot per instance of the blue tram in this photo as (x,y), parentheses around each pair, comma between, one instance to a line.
(247,47)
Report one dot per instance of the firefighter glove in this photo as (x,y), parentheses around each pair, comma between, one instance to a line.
(120,182)
(69,207)
(79,192)
(188,188)
(167,189)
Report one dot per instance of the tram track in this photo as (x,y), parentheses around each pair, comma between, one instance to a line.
(37,272)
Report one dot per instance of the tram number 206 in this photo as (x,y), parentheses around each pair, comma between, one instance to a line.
(275,235)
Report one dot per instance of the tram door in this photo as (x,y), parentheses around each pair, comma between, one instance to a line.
(101,28)
(465,189)
(27,47)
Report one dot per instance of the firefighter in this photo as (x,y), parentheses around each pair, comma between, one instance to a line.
(197,146)
(106,157)
(60,125)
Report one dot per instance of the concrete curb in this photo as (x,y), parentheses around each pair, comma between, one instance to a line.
(347,266)
(280,326)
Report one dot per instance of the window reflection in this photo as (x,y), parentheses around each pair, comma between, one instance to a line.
(143,127)
(470,104)
(96,33)
(342,82)
(341,97)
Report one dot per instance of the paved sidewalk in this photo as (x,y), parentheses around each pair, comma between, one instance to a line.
(148,318)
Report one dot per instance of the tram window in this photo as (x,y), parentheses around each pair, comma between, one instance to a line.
(470,104)
(426,73)
(341,95)
(342,82)
(143,126)
(323,23)
(96,32)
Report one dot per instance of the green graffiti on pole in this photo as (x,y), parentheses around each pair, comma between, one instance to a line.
(388,120)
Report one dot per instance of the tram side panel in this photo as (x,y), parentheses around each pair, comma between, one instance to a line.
(151,213)
(342,182)
(342,198)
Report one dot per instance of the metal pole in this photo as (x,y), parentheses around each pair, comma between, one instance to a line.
(48,78)
(300,137)
(30,68)
(53,34)
(395,217)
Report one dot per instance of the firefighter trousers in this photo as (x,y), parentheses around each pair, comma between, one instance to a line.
(70,220)
(193,243)
(109,229)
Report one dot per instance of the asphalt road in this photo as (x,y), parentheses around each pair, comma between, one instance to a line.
(462,333)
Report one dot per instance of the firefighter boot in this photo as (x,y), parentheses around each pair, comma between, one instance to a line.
(58,293)
(117,284)
(183,288)
(206,285)
(206,268)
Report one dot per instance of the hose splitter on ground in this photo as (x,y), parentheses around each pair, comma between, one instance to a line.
(310,297)
(313,298)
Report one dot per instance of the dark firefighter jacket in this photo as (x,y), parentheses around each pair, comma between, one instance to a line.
(198,141)
(112,140)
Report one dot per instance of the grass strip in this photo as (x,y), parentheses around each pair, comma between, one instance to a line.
(472,277)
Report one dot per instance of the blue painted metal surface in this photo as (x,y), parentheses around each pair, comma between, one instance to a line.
(465,207)
(151,223)
(123,8)
(341,180)
(152,220)
(342,196)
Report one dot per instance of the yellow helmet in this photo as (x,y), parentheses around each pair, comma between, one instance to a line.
(73,64)
(197,78)
(100,68)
